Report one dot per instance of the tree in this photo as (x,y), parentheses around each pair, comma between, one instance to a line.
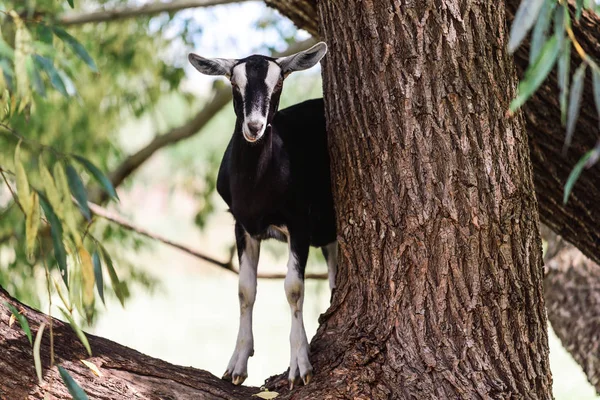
(436,197)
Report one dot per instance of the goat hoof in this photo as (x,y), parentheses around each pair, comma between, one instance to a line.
(307,378)
(226,376)
(239,379)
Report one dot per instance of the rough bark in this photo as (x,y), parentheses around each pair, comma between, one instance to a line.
(579,219)
(440,277)
(126,373)
(572,288)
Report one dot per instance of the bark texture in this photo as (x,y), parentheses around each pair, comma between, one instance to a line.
(579,219)
(126,373)
(572,287)
(440,290)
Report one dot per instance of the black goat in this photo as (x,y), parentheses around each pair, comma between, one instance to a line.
(275,179)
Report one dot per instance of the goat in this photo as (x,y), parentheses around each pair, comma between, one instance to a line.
(275,178)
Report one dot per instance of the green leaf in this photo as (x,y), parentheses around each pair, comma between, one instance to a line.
(75,390)
(76,47)
(118,287)
(36,352)
(525,17)
(559,23)
(22,320)
(574,104)
(56,232)
(22,183)
(34,76)
(44,34)
(564,64)
(578,9)
(574,175)
(99,176)
(47,66)
(87,276)
(596,80)
(98,275)
(78,190)
(32,224)
(540,31)
(77,330)
(536,73)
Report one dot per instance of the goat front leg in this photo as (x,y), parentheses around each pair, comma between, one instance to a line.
(294,289)
(248,252)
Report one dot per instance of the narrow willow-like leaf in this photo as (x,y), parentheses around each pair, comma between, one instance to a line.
(22,183)
(574,175)
(22,50)
(44,34)
(596,80)
(71,3)
(536,73)
(594,157)
(36,352)
(50,188)
(98,275)
(559,24)
(92,367)
(56,232)
(540,31)
(32,224)
(76,47)
(48,67)
(578,9)
(77,330)
(525,17)
(34,76)
(22,321)
(564,64)
(62,296)
(74,389)
(99,176)
(114,278)
(574,104)
(78,191)
(69,213)
(87,275)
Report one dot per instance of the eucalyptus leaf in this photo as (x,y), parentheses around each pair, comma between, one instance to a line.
(536,73)
(80,334)
(525,17)
(98,275)
(35,77)
(99,176)
(48,67)
(56,232)
(36,352)
(22,321)
(564,64)
(574,175)
(574,104)
(74,389)
(540,31)
(118,287)
(78,191)
(77,47)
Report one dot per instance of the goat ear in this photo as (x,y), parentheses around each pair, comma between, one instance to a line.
(212,66)
(303,60)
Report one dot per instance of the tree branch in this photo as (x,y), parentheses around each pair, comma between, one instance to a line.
(145,10)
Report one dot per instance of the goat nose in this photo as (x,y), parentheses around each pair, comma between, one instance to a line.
(255,127)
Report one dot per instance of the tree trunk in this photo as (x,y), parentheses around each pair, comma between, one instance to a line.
(577,221)
(126,373)
(440,276)
(572,287)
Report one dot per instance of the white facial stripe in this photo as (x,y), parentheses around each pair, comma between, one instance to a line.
(273,74)
(240,78)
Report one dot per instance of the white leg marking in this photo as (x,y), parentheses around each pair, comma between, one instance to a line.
(332,255)
(294,290)
(237,369)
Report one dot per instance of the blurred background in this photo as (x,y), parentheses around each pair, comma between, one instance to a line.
(176,307)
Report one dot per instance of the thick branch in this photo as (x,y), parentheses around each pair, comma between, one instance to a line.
(572,291)
(579,219)
(145,10)
(126,373)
